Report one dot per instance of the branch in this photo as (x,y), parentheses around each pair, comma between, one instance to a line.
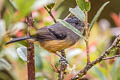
(80,74)
(113,57)
(50,13)
(87,35)
(63,66)
(30,54)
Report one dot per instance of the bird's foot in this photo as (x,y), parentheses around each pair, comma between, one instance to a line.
(63,61)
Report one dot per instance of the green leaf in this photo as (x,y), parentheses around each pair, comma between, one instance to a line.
(84,5)
(115,67)
(6,70)
(4,64)
(24,7)
(81,4)
(97,15)
(50,6)
(100,74)
(78,13)
(2,28)
(38,58)
(22,53)
(69,26)
(87,6)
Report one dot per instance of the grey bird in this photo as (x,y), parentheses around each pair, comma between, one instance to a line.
(56,37)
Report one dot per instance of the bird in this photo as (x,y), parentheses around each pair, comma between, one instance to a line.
(56,37)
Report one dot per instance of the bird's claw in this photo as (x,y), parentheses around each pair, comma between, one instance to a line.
(63,61)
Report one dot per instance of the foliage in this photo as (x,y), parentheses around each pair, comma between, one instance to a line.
(14,67)
(83,5)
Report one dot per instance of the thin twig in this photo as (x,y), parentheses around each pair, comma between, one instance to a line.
(55,69)
(81,73)
(113,57)
(68,16)
(50,13)
(87,37)
(30,54)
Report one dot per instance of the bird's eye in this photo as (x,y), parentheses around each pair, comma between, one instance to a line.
(60,36)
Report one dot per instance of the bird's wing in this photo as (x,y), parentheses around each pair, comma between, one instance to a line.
(50,33)
(58,35)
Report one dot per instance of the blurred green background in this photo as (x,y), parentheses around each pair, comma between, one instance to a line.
(13,65)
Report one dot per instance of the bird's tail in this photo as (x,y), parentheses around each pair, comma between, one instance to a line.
(19,39)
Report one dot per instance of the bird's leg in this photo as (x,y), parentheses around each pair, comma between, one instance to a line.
(62,57)
(63,65)
(63,53)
